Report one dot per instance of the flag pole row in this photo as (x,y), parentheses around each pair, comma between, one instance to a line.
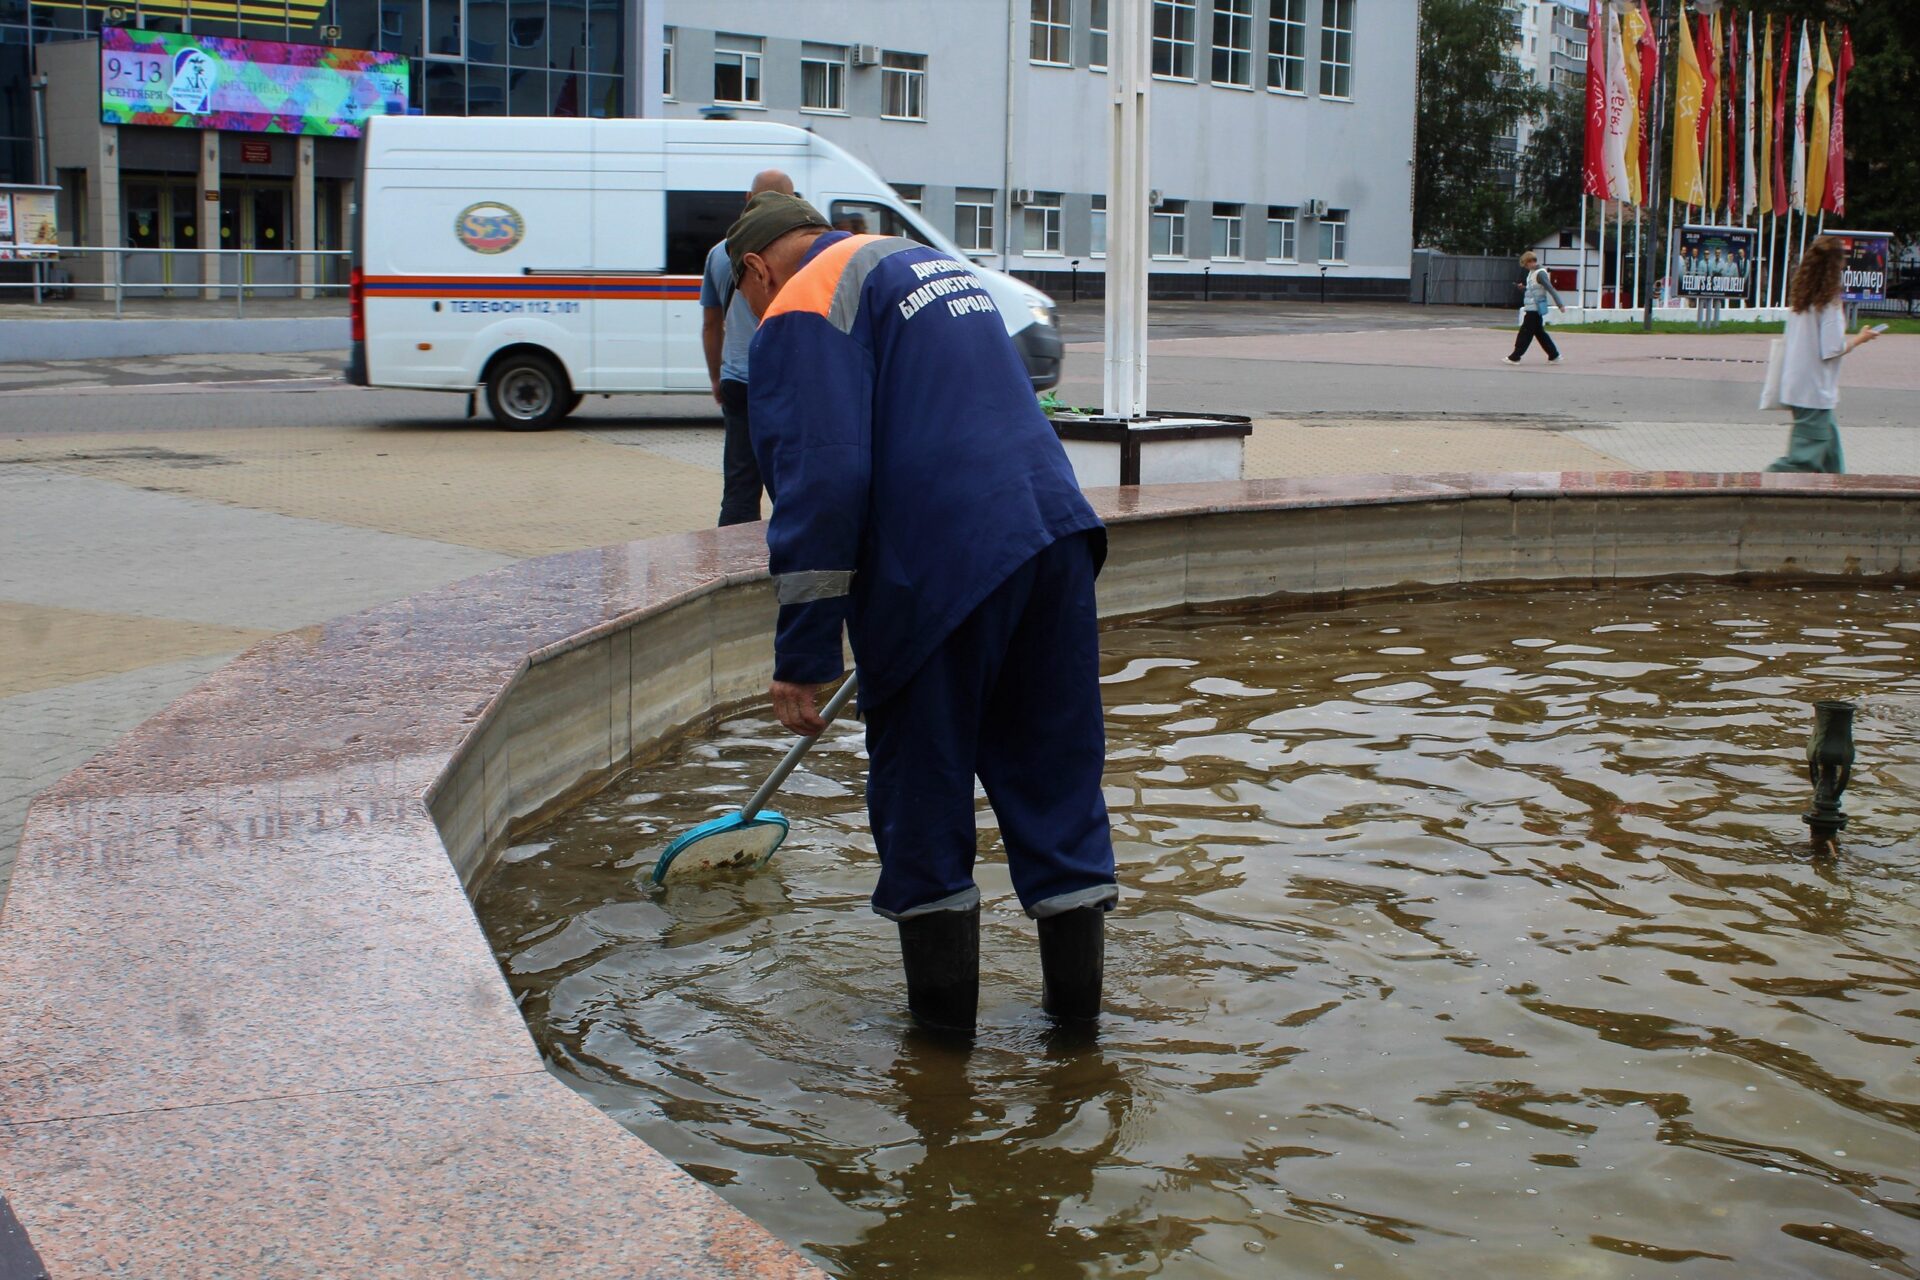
(1738,156)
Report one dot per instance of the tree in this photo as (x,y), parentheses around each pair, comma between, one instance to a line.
(1550,171)
(1472,92)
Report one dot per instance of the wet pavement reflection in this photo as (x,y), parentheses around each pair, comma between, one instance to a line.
(1465,935)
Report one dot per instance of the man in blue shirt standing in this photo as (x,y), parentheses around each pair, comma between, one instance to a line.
(726,329)
(924,506)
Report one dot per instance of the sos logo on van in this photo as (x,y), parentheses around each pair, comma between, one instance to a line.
(489,227)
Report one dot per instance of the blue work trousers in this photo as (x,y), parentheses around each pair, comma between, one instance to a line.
(1013,697)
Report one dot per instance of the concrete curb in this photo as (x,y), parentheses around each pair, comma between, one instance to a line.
(198,335)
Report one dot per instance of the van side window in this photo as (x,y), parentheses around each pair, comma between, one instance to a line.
(697,221)
(871,218)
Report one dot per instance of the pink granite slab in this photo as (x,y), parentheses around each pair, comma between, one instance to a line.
(248,1023)
(510,1177)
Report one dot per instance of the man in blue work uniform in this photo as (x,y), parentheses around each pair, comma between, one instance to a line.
(923,503)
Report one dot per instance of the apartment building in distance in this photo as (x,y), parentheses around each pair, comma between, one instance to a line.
(1282,129)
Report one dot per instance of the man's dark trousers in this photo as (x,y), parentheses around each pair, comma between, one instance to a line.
(1012,696)
(1534,325)
(740,495)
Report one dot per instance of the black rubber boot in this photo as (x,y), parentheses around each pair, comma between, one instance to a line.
(941,954)
(1073,950)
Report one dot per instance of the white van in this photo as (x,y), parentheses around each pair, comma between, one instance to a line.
(546,260)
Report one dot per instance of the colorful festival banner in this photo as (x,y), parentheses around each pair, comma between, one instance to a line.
(1818,134)
(1835,200)
(1619,109)
(1781,199)
(1593,169)
(1765,77)
(1688,86)
(258,86)
(1749,174)
(1802,81)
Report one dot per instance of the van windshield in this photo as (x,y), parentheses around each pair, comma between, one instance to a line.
(871,218)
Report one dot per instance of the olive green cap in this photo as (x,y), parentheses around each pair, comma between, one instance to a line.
(768,216)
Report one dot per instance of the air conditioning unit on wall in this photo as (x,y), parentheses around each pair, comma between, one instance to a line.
(1316,208)
(1022,195)
(866,55)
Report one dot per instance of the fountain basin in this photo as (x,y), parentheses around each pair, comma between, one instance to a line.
(238,950)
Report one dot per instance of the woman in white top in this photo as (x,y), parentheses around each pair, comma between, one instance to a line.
(1810,372)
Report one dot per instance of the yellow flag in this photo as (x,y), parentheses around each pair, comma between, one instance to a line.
(1765,71)
(1690,90)
(1822,126)
(1631,29)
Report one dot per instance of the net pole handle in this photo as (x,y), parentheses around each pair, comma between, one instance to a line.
(799,750)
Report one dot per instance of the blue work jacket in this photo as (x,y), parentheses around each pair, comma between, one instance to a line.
(911,468)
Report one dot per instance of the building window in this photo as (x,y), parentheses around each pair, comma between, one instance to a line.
(1169,229)
(1097,35)
(1283,224)
(1233,43)
(1042,217)
(903,86)
(1229,221)
(1099,228)
(1336,48)
(823,77)
(666,62)
(1287,47)
(1173,39)
(736,69)
(973,219)
(911,194)
(1050,23)
(1333,236)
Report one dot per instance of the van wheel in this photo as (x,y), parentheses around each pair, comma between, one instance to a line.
(527,391)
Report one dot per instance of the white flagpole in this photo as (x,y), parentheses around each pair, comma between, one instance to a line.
(1581,284)
(1666,268)
(1619,251)
(1124,394)
(1639,252)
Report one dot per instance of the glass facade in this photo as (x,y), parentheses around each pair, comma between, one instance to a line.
(469,57)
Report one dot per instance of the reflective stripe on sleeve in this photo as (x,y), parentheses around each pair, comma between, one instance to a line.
(811,584)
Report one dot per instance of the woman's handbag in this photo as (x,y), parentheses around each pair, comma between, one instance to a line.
(1770,389)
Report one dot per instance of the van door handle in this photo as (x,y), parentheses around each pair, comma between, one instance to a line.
(587,271)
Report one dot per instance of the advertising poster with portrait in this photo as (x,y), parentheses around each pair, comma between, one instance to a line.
(253,86)
(1864,278)
(36,224)
(1714,264)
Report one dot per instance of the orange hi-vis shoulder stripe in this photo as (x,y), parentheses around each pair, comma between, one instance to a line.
(813,287)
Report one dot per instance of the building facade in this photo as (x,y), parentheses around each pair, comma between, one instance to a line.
(1550,43)
(279,181)
(1282,129)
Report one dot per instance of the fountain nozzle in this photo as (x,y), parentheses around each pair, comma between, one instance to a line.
(1829,768)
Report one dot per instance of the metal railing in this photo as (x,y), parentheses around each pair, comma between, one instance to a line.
(118,284)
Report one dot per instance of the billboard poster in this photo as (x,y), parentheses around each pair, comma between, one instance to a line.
(1714,263)
(252,86)
(6,217)
(1864,278)
(36,224)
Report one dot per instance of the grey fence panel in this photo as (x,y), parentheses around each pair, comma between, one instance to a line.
(1457,280)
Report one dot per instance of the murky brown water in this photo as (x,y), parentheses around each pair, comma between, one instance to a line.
(1464,937)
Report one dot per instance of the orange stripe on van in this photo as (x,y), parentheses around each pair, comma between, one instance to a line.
(813,287)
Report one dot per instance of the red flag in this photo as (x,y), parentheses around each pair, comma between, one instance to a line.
(1710,72)
(567,101)
(1593,179)
(1836,193)
(1733,112)
(1781,200)
(1649,68)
